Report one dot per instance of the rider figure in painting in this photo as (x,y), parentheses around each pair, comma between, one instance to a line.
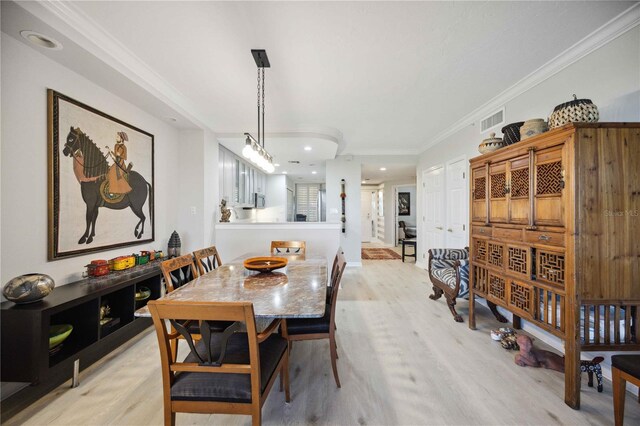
(116,174)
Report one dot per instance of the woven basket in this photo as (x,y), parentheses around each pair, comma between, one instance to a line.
(511,133)
(577,110)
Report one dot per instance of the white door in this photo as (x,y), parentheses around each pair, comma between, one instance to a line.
(433,208)
(366,210)
(457,216)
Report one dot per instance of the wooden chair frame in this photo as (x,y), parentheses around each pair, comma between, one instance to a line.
(439,288)
(339,265)
(207,258)
(619,380)
(162,310)
(174,264)
(299,246)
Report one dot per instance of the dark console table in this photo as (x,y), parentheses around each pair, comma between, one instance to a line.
(412,243)
(25,331)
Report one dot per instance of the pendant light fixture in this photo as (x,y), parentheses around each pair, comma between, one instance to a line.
(254,150)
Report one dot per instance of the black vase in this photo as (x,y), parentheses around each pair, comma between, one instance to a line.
(511,133)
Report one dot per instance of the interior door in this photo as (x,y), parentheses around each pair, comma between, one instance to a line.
(457,200)
(366,210)
(433,219)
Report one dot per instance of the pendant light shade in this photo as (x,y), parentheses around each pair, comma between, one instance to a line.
(254,150)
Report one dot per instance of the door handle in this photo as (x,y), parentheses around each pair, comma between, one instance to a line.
(439,227)
(449,230)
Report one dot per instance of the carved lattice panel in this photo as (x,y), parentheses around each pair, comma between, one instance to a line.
(517,260)
(549,178)
(498,185)
(551,267)
(497,287)
(520,182)
(480,280)
(520,296)
(480,248)
(480,188)
(496,254)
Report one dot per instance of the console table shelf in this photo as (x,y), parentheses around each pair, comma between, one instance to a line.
(25,330)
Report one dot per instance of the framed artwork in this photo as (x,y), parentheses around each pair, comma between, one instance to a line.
(100,180)
(404,204)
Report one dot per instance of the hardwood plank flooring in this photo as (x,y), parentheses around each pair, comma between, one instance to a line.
(403,360)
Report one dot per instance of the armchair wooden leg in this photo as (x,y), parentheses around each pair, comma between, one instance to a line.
(452,307)
(494,311)
(437,293)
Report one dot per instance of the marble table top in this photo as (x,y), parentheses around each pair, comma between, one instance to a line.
(296,291)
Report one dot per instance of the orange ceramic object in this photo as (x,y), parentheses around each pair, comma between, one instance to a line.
(265,264)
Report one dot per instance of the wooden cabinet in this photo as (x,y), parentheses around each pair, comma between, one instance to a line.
(555,237)
(25,330)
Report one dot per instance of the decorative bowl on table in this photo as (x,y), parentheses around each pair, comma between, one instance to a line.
(265,264)
(142,293)
(58,334)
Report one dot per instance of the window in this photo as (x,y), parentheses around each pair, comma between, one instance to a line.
(307,202)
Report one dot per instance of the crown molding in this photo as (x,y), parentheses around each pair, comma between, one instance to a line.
(73,23)
(608,32)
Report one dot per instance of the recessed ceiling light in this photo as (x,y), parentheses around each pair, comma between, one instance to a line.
(313,172)
(382,169)
(307,148)
(363,181)
(276,165)
(284,173)
(172,119)
(41,40)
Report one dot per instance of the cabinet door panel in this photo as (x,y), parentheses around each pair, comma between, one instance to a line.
(549,187)
(479,195)
(498,193)
(519,190)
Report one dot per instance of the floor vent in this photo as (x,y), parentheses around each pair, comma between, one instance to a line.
(494,120)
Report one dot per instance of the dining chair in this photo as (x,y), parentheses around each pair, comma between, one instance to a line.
(334,272)
(321,328)
(178,271)
(207,259)
(289,247)
(230,372)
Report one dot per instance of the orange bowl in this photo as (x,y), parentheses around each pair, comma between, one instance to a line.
(265,264)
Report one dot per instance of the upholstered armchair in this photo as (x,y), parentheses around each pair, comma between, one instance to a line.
(449,273)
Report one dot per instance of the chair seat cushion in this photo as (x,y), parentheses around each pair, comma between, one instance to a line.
(448,277)
(225,387)
(310,325)
(630,364)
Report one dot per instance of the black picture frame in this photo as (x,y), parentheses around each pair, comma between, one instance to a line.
(81,139)
(404,204)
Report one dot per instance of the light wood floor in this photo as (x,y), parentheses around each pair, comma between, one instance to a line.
(403,360)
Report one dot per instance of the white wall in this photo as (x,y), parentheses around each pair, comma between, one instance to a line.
(26,75)
(348,169)
(609,76)
(198,189)
(275,200)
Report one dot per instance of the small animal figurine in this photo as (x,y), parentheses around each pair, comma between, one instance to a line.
(591,367)
(532,357)
(225,212)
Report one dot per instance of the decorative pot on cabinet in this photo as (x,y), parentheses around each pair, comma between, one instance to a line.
(511,133)
(491,144)
(533,127)
(577,110)
(28,288)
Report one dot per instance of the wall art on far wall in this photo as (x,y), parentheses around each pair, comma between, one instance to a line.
(404,204)
(100,180)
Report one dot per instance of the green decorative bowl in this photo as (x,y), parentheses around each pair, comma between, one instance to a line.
(142,293)
(58,334)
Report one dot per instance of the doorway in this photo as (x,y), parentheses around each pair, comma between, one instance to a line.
(368,210)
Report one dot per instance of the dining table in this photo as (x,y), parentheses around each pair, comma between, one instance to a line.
(297,290)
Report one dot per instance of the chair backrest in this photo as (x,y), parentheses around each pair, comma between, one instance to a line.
(334,268)
(335,283)
(401,224)
(207,259)
(288,247)
(177,312)
(178,271)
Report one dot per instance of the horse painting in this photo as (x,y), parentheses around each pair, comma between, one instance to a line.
(90,168)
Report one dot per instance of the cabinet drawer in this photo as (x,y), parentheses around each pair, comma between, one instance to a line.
(507,234)
(548,238)
(483,231)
